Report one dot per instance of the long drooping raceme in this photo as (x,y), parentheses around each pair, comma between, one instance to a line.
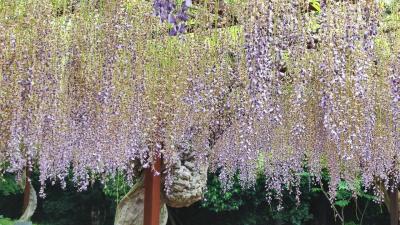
(97,88)
(318,83)
(167,11)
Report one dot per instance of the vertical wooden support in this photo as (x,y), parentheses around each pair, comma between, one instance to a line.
(152,193)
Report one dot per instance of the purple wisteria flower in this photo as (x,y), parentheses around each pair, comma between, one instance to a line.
(176,16)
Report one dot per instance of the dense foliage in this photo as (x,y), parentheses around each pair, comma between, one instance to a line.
(8,186)
(237,206)
(100,88)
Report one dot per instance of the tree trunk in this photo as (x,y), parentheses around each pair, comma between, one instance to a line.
(394,207)
(30,199)
(391,200)
(188,181)
(130,209)
(27,190)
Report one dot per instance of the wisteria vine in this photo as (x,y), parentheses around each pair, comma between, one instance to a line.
(167,11)
(283,91)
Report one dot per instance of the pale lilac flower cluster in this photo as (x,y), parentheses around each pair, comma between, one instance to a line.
(394,79)
(327,94)
(167,11)
(96,95)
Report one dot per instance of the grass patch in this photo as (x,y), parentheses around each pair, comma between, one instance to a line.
(6,221)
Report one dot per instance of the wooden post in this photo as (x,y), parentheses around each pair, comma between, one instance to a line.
(152,193)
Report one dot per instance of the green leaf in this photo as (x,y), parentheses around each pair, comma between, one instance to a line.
(343,185)
(342,203)
(304,174)
(367,196)
(315,189)
(315,4)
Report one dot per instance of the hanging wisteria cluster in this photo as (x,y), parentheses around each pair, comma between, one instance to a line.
(285,90)
(319,94)
(166,10)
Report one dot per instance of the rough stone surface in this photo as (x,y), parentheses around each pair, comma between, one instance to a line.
(188,182)
(130,210)
(187,187)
